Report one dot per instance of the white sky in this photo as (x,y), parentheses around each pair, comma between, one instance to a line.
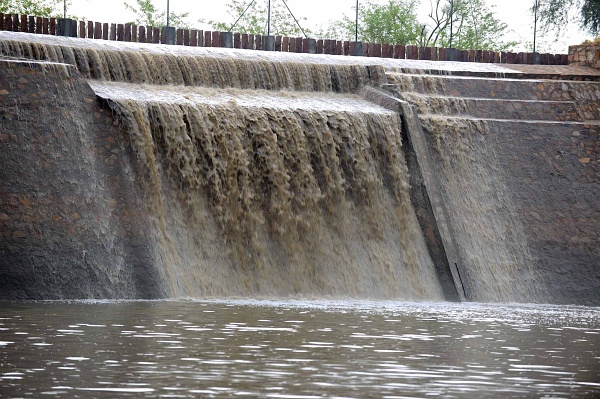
(318,12)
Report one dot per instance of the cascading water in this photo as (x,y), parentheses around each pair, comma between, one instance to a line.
(264,177)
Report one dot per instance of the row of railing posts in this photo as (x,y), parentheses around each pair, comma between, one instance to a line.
(194,37)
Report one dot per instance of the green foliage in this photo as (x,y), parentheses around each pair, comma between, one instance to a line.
(394,22)
(39,8)
(556,14)
(255,17)
(148,14)
(474,26)
(590,16)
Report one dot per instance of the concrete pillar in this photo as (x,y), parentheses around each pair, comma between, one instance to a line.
(64,27)
(170,35)
(227,39)
(451,54)
(312,46)
(358,49)
(268,43)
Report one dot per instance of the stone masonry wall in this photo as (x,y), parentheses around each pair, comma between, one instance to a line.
(585,55)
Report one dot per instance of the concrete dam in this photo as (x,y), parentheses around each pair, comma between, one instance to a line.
(149,171)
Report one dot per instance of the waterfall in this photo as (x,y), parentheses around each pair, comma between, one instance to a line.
(263,175)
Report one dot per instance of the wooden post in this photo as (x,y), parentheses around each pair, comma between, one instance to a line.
(216,39)
(346,47)
(127,32)
(120,32)
(305,45)
(179,37)
(81,29)
(142,34)
(15,22)
(251,42)
(52,26)
(399,51)
(134,30)
(24,24)
(90,30)
(339,49)
(237,40)
(162,34)
(194,38)
(320,46)
(292,44)
(39,24)
(207,38)
(442,54)
(285,44)
(298,44)
(112,34)
(2,21)
(258,42)
(45,27)
(7,22)
(31,24)
(186,37)
(278,43)
(244,40)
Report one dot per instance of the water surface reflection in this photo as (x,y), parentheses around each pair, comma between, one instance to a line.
(185,349)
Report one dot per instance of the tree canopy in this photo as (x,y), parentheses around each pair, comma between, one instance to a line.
(392,22)
(555,14)
(40,8)
(148,14)
(251,16)
(474,26)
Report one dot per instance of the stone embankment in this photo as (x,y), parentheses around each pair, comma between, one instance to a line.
(585,55)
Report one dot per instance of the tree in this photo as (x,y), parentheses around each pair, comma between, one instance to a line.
(148,14)
(556,14)
(474,26)
(255,18)
(40,8)
(394,22)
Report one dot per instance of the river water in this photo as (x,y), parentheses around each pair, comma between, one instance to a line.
(297,349)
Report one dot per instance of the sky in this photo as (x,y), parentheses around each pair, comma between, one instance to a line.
(319,12)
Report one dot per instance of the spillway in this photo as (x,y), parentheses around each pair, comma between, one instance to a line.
(226,173)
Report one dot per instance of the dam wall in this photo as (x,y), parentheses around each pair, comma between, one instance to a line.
(71,215)
(275,176)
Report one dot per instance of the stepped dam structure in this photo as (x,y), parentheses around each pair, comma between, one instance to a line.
(133,170)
